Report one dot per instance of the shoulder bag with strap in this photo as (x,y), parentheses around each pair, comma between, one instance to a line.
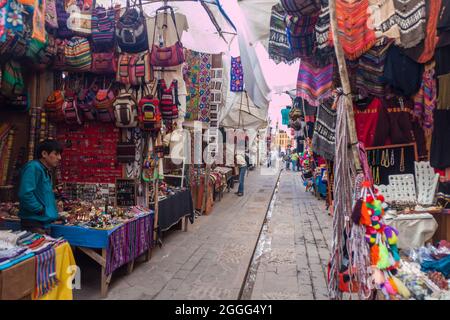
(131,30)
(103,29)
(104,63)
(80,21)
(53,106)
(104,101)
(125,110)
(70,109)
(134,69)
(51,17)
(168,100)
(62,15)
(12,79)
(167,56)
(78,54)
(150,117)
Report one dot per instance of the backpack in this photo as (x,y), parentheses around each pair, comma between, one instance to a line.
(70,109)
(62,16)
(104,63)
(42,54)
(80,21)
(53,106)
(103,29)
(134,69)
(103,102)
(86,104)
(77,53)
(125,110)
(12,79)
(150,116)
(168,100)
(51,18)
(131,31)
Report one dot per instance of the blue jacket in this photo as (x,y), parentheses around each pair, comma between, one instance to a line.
(36,194)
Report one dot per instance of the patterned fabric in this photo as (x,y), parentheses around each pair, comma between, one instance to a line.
(279,49)
(237,75)
(324,131)
(300,32)
(301,7)
(314,84)
(198,78)
(411,18)
(425,100)
(45,272)
(369,79)
(128,242)
(324,49)
(14,16)
(356,38)
(382,19)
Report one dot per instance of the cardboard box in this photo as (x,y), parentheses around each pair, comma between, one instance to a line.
(18,281)
(443,230)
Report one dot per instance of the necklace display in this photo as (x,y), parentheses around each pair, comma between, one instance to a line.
(402,160)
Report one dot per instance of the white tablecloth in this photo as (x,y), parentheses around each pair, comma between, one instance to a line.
(414,229)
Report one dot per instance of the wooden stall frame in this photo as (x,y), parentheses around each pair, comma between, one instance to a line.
(397,146)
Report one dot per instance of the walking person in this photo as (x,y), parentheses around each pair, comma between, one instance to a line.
(294,160)
(242,164)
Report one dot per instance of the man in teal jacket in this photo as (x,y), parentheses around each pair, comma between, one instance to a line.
(37,200)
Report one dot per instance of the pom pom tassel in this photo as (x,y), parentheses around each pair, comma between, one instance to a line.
(383,262)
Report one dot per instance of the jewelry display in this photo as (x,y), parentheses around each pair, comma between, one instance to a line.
(392,158)
(402,160)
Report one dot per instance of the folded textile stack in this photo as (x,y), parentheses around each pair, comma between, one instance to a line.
(369,79)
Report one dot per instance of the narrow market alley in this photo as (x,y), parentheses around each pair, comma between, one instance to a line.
(211,260)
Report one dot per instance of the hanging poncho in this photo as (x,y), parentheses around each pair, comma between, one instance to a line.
(356,38)
(314,84)
(324,48)
(323,141)
(279,49)
(300,32)
(411,18)
(369,79)
(301,7)
(382,18)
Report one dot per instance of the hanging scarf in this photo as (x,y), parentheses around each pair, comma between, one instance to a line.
(356,38)
(324,131)
(369,78)
(45,272)
(300,32)
(425,100)
(301,8)
(314,84)
(411,19)
(324,48)
(237,75)
(279,49)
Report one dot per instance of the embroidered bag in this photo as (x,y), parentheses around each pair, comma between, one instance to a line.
(78,54)
(103,29)
(70,108)
(63,31)
(168,100)
(150,116)
(51,18)
(12,79)
(125,110)
(134,69)
(131,31)
(104,100)
(53,106)
(104,63)
(167,56)
(80,21)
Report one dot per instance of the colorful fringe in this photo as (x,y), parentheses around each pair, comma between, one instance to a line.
(45,272)
(425,100)
(128,242)
(356,38)
(314,84)
(369,78)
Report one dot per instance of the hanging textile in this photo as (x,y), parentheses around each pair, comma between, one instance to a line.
(324,131)
(300,32)
(39,32)
(45,272)
(198,78)
(369,78)
(3,13)
(367,112)
(356,38)
(324,48)
(411,19)
(425,100)
(237,75)
(314,84)
(279,49)
(382,19)
(301,7)
(424,51)
(285,116)
(14,18)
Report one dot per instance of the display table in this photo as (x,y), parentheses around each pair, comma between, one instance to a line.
(18,282)
(414,229)
(172,209)
(112,248)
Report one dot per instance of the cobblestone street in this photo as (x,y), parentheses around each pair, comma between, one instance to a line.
(210,261)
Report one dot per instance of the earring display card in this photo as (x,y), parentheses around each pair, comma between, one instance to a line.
(404,187)
(427,182)
(90,153)
(126,192)
(91,192)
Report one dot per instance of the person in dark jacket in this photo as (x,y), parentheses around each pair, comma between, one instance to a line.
(38,207)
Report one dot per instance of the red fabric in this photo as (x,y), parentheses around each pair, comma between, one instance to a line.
(366,122)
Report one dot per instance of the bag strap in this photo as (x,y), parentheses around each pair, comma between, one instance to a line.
(172,14)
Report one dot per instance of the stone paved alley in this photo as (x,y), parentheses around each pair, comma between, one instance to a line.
(210,261)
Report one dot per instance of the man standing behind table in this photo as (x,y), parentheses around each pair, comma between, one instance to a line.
(38,207)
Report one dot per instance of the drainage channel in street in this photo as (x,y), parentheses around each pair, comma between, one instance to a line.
(263,246)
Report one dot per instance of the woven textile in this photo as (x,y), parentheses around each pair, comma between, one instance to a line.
(301,7)
(356,38)
(411,18)
(45,272)
(382,18)
(198,78)
(279,49)
(324,48)
(300,31)
(324,139)
(425,100)
(237,75)
(314,84)
(128,242)
(369,78)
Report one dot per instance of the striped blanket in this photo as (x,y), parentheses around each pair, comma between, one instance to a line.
(301,8)
(324,48)
(300,31)
(314,84)
(45,272)
(279,49)
(324,138)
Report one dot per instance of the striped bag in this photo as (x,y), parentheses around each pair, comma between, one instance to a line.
(134,69)
(103,29)
(78,54)
(168,100)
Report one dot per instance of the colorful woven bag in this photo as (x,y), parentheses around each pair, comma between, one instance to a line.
(131,30)
(103,29)
(77,53)
(12,79)
(134,69)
